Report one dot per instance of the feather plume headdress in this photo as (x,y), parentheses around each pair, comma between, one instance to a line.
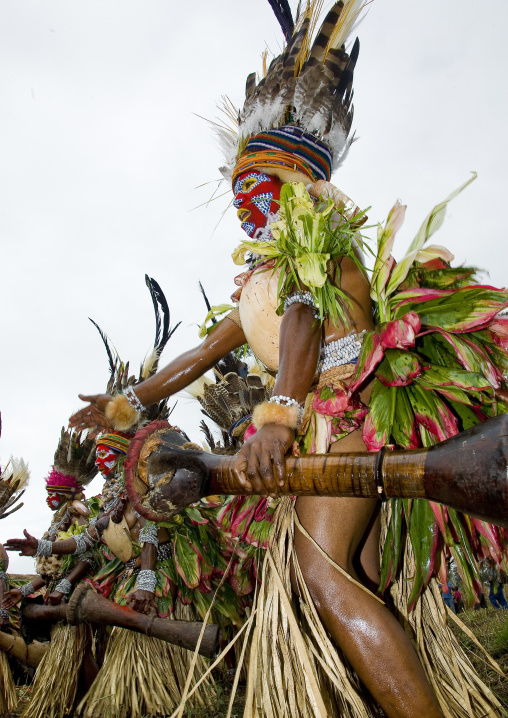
(13,481)
(74,464)
(302,107)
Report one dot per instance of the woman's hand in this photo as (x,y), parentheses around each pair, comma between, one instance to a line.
(93,414)
(143,602)
(12,598)
(260,466)
(26,547)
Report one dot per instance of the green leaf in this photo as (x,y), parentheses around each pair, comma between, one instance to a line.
(379,422)
(423,534)
(398,367)
(312,268)
(435,218)
(186,561)
(404,423)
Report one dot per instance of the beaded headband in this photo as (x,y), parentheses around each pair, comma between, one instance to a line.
(289,147)
(116,441)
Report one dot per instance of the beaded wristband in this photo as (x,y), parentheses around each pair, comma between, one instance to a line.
(3,575)
(90,538)
(83,543)
(132,398)
(44,548)
(149,534)
(64,586)
(88,558)
(301,298)
(147,580)
(26,590)
(4,613)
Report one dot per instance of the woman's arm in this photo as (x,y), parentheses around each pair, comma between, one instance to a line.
(260,465)
(177,375)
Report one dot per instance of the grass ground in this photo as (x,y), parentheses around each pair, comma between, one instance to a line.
(491,629)
(489,626)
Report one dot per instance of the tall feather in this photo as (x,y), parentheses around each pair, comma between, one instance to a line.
(207,302)
(105,340)
(282,12)
(162,329)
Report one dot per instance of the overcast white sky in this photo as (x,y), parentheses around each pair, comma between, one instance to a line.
(101,151)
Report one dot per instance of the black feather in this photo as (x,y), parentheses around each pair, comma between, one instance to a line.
(208,305)
(160,304)
(112,364)
(282,12)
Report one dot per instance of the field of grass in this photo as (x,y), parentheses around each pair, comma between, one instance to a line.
(491,629)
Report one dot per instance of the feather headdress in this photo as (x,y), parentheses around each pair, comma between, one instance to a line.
(306,93)
(74,463)
(13,481)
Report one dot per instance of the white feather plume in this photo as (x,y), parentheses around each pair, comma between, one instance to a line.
(16,470)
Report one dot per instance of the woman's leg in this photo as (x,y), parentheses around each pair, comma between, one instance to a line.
(369,635)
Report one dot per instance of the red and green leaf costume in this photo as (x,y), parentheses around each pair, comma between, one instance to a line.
(438,352)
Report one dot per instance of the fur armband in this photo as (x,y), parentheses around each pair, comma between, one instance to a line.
(121,414)
(270,413)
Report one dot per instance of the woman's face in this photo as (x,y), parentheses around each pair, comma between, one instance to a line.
(256,196)
(105,459)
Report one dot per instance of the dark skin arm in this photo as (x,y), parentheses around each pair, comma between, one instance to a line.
(28,545)
(78,572)
(260,465)
(141,600)
(177,375)
(14,596)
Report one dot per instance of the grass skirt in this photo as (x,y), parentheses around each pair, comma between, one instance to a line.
(143,676)
(8,698)
(56,678)
(295,671)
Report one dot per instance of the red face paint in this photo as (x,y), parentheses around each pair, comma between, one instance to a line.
(54,501)
(256,197)
(105,459)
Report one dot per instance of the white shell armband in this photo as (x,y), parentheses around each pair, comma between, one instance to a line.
(26,590)
(64,586)
(132,398)
(83,543)
(44,548)
(301,298)
(147,580)
(149,534)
